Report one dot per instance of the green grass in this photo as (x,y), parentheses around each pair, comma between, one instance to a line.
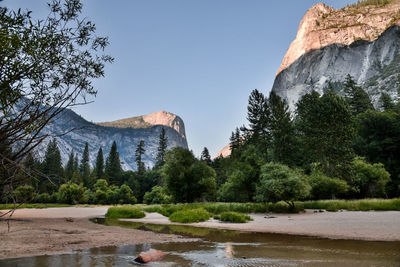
(125,212)
(190,216)
(234,217)
(354,205)
(33,206)
(219,207)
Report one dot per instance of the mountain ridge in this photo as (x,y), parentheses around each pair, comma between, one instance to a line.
(79,131)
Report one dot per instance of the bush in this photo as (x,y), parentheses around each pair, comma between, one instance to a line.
(279,182)
(189,216)
(25,193)
(371,178)
(234,217)
(70,193)
(126,195)
(157,195)
(125,212)
(324,187)
(44,198)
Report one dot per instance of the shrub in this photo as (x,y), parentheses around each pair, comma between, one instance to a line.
(125,212)
(189,216)
(44,198)
(126,195)
(70,193)
(279,182)
(234,217)
(157,195)
(25,193)
(371,178)
(324,187)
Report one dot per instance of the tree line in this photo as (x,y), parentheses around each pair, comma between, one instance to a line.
(332,146)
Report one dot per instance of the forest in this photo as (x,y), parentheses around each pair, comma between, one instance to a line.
(332,147)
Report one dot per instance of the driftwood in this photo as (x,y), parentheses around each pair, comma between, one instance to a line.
(150,255)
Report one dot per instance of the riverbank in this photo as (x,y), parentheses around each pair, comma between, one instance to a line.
(354,225)
(62,230)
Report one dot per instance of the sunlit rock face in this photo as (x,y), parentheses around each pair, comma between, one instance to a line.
(125,135)
(362,42)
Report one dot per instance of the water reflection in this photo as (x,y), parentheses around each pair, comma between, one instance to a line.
(227,248)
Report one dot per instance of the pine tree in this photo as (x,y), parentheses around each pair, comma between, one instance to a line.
(69,168)
(258,115)
(100,164)
(52,169)
(76,164)
(235,140)
(326,129)
(84,167)
(162,150)
(357,98)
(141,169)
(282,131)
(386,102)
(205,156)
(113,170)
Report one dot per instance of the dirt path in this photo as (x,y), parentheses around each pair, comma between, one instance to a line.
(358,225)
(57,230)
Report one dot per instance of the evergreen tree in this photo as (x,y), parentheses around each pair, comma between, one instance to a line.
(258,114)
(162,150)
(357,98)
(84,167)
(282,131)
(326,129)
(235,140)
(113,170)
(386,102)
(100,164)
(52,169)
(141,169)
(205,156)
(69,168)
(76,164)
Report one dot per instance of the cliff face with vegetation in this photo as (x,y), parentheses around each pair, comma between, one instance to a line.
(363,41)
(127,135)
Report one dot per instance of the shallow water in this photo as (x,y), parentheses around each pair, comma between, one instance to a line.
(227,248)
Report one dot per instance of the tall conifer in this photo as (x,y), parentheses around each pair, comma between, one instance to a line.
(113,170)
(138,154)
(100,164)
(162,149)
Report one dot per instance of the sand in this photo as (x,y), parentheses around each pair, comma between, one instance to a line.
(356,225)
(60,230)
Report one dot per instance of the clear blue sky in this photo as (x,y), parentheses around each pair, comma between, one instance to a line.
(199,59)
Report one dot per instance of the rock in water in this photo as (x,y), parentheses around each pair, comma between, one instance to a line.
(150,255)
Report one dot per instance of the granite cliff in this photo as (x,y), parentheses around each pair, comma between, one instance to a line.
(363,41)
(127,136)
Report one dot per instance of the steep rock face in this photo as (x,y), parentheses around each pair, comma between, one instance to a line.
(373,64)
(224,152)
(323,26)
(156,118)
(98,136)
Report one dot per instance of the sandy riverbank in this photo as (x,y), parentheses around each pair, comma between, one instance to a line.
(58,230)
(357,225)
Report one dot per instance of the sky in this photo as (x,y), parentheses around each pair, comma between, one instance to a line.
(199,59)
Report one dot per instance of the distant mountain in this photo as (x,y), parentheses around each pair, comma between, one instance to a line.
(127,133)
(361,40)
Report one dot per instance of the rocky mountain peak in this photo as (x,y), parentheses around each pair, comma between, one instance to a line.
(145,121)
(322,26)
